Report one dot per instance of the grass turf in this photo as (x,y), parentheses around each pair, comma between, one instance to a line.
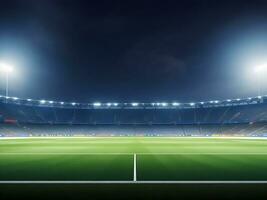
(95,159)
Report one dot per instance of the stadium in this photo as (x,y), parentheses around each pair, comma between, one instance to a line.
(133,142)
(128,99)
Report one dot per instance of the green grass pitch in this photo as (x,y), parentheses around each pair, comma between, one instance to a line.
(111,159)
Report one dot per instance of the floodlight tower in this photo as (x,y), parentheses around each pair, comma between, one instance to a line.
(6,69)
(260,71)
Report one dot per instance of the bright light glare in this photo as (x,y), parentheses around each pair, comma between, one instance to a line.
(135,104)
(6,68)
(42,101)
(175,104)
(97,104)
(260,68)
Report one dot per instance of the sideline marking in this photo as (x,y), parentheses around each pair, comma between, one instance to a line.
(133,182)
(108,153)
(129,137)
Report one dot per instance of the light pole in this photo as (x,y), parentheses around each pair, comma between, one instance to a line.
(260,71)
(6,69)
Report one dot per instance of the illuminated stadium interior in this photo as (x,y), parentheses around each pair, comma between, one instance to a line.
(235,117)
(95,105)
(133,99)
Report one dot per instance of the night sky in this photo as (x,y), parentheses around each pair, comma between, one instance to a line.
(190,50)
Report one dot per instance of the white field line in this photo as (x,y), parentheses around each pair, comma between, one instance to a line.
(133,182)
(108,153)
(134,173)
(121,142)
(125,137)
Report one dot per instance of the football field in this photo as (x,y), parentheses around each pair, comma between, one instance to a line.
(133,160)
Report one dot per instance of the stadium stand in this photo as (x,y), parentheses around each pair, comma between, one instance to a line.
(232,120)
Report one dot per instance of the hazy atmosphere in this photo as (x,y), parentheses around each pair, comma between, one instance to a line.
(133,51)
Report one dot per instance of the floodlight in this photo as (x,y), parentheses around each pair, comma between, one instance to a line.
(228,100)
(260,68)
(216,101)
(175,104)
(42,101)
(259,97)
(109,104)
(238,99)
(135,104)
(164,104)
(6,68)
(29,100)
(73,103)
(61,102)
(97,104)
(51,102)
(115,104)
(202,102)
(192,104)
(15,98)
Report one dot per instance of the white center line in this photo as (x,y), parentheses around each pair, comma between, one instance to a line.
(133,182)
(135,177)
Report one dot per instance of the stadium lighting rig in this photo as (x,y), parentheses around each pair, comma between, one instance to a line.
(175,104)
(97,104)
(164,104)
(260,72)
(42,101)
(260,68)
(135,104)
(7,70)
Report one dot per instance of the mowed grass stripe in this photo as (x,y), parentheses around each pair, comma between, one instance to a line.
(132,145)
(112,160)
(65,168)
(202,167)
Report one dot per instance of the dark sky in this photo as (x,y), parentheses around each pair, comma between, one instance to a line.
(188,50)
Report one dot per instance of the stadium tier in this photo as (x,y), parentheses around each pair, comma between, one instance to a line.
(33,120)
(37,130)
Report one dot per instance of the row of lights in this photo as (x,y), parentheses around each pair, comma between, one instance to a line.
(134,104)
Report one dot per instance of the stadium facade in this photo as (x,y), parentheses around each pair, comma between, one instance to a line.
(235,117)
